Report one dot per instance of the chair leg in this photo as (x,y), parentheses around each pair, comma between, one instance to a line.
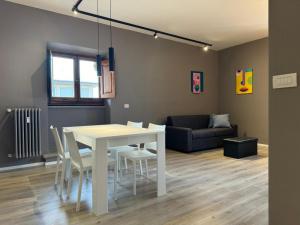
(57,169)
(147,171)
(119,160)
(141,167)
(120,172)
(87,175)
(62,178)
(115,180)
(69,188)
(134,177)
(79,191)
(117,166)
(125,161)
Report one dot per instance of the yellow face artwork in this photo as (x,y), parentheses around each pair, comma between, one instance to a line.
(244,81)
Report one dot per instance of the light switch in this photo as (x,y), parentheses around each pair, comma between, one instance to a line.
(126,106)
(285,80)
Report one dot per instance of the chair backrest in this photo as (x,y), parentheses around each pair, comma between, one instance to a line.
(73,149)
(58,144)
(135,124)
(152,126)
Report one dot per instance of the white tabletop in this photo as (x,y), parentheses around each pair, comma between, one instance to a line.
(110,131)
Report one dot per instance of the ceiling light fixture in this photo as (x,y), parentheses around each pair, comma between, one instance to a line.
(75,12)
(205,48)
(75,8)
(111,50)
(155,35)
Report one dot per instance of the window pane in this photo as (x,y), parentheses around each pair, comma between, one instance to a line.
(62,80)
(89,81)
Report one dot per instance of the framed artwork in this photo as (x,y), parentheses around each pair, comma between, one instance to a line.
(244,81)
(197,82)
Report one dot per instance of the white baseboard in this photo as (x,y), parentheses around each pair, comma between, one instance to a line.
(10,168)
(52,163)
(263,145)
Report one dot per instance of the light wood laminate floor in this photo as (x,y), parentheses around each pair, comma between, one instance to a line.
(204,188)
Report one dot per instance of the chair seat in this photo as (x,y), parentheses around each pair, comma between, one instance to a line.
(87,162)
(115,150)
(138,155)
(84,152)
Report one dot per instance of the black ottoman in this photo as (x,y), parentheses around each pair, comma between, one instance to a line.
(240,147)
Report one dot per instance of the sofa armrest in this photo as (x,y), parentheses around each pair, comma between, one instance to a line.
(179,138)
(235,128)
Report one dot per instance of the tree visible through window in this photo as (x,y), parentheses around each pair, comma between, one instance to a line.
(73,80)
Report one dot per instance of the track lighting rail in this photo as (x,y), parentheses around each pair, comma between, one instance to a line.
(76,9)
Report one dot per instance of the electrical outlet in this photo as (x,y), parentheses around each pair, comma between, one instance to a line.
(9,155)
(126,106)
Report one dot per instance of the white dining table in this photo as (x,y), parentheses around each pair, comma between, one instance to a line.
(100,138)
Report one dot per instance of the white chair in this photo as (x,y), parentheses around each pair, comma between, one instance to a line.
(81,164)
(116,150)
(153,145)
(142,154)
(63,157)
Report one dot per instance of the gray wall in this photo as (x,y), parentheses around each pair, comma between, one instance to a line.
(153,76)
(74,116)
(249,111)
(284,163)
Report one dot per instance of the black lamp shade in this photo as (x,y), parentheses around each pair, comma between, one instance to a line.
(99,60)
(111,58)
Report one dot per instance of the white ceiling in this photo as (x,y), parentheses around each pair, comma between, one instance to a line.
(224,23)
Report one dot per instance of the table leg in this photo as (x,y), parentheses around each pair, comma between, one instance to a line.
(99,181)
(161,164)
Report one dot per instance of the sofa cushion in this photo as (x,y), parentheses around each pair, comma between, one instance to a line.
(221,121)
(211,121)
(203,133)
(223,131)
(212,132)
(192,121)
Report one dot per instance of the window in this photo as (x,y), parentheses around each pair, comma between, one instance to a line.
(73,80)
(89,82)
(62,77)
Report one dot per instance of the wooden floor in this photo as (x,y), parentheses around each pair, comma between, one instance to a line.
(203,188)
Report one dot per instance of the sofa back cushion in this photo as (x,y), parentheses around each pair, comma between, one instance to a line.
(192,121)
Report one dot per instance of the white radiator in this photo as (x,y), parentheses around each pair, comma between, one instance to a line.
(27,132)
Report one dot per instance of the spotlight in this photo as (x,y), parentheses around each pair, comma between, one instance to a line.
(75,12)
(205,48)
(155,35)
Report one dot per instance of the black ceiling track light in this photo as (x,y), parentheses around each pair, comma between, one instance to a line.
(75,9)
(111,50)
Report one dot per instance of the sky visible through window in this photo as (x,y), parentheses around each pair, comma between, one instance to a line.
(88,71)
(63,69)
(63,77)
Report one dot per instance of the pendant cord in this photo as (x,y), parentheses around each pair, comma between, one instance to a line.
(110,23)
(98,26)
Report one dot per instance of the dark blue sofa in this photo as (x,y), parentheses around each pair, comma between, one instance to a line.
(191,133)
